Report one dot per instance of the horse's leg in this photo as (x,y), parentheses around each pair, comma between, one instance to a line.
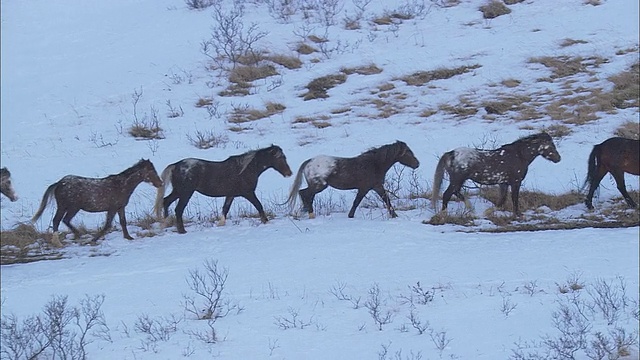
(56,224)
(107,225)
(453,188)
(225,210)
(618,175)
(253,199)
(183,200)
(385,198)
(593,185)
(70,213)
(168,200)
(503,195)
(359,196)
(308,195)
(123,223)
(515,194)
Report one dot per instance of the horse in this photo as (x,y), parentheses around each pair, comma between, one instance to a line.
(364,172)
(5,185)
(617,156)
(235,176)
(505,166)
(111,194)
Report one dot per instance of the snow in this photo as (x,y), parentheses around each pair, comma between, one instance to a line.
(71,70)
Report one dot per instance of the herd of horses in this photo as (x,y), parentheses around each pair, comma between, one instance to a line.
(238,176)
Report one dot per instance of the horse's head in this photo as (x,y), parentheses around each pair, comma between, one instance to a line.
(5,184)
(548,149)
(279,160)
(149,173)
(406,157)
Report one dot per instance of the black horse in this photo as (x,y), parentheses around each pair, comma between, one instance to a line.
(506,166)
(110,194)
(235,176)
(616,156)
(364,172)
(5,185)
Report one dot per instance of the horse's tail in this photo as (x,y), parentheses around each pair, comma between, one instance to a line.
(166,179)
(592,166)
(48,194)
(293,193)
(438,176)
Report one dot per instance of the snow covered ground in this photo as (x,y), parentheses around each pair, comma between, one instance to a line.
(304,289)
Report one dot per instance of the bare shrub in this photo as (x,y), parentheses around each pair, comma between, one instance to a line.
(174,112)
(199,4)
(375,304)
(208,287)
(158,328)
(292,321)
(61,331)
(207,139)
(230,39)
(493,9)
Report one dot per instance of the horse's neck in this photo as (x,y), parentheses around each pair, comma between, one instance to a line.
(129,181)
(528,153)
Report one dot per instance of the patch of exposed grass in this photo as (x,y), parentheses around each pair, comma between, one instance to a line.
(317,88)
(26,244)
(558,130)
(511,83)
(564,66)
(422,77)
(320,122)
(570,42)
(317,39)
(493,9)
(370,69)
(247,74)
(629,130)
(290,62)
(146,130)
(626,88)
(305,49)
(532,200)
(204,101)
(505,103)
(237,89)
(246,114)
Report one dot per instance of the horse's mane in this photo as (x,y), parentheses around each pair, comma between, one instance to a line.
(530,139)
(381,150)
(132,169)
(245,159)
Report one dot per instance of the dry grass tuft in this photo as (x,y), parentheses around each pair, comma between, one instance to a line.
(460,217)
(505,103)
(493,9)
(239,89)
(26,244)
(626,88)
(511,83)
(318,87)
(558,130)
(564,66)
(422,77)
(317,39)
(245,114)
(202,102)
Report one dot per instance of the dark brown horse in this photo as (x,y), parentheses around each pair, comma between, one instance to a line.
(616,156)
(110,194)
(5,185)
(235,176)
(506,166)
(364,172)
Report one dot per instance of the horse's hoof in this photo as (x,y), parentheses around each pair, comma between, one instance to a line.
(182,231)
(128,237)
(222,221)
(312,215)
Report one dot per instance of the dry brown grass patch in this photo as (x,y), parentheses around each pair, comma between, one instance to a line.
(558,130)
(564,66)
(505,103)
(317,39)
(626,87)
(493,9)
(460,217)
(422,77)
(202,102)
(511,83)
(317,88)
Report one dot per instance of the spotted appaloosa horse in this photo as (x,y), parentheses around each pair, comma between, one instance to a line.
(364,172)
(617,156)
(235,176)
(5,185)
(505,166)
(110,194)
